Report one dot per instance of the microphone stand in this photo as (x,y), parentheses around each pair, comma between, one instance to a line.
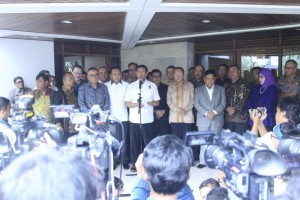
(140,113)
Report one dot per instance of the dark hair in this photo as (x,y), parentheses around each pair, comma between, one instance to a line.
(213,183)
(170,67)
(133,63)
(103,67)
(210,71)
(17,78)
(236,66)
(167,161)
(78,66)
(292,61)
(44,72)
(255,68)
(84,72)
(125,71)
(118,68)
(143,66)
(92,69)
(67,73)
(4,102)
(292,108)
(200,66)
(218,193)
(223,65)
(191,68)
(156,71)
(180,68)
(43,76)
(49,175)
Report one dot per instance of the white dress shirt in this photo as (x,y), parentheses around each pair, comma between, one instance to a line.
(149,93)
(117,105)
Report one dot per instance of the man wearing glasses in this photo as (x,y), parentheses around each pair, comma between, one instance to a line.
(93,92)
(18,91)
(290,84)
(77,72)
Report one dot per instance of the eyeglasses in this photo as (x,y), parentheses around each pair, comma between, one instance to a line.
(289,67)
(18,82)
(93,75)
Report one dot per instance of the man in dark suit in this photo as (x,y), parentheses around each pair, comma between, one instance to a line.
(210,102)
(161,112)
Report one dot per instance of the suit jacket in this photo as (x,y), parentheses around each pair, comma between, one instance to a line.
(203,104)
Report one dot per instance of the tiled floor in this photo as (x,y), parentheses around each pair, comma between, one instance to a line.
(197,176)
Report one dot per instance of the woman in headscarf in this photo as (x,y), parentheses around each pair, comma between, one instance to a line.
(265,95)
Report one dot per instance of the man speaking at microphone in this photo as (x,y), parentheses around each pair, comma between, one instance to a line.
(141,96)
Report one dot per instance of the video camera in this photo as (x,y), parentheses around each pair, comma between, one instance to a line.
(248,171)
(93,141)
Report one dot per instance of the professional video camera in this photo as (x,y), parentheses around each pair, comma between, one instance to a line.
(26,132)
(94,141)
(248,171)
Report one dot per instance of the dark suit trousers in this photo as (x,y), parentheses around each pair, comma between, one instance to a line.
(180,129)
(138,140)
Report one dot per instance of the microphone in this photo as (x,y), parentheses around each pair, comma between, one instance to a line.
(140,83)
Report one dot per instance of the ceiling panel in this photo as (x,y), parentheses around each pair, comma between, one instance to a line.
(61,1)
(179,24)
(95,25)
(261,2)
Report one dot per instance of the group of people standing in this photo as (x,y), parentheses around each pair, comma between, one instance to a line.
(208,100)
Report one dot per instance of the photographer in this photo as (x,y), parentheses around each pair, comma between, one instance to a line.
(287,116)
(165,167)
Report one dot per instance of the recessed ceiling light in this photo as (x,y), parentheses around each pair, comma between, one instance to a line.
(205,21)
(66,22)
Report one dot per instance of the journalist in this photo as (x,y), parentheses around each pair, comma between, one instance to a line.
(287,118)
(163,170)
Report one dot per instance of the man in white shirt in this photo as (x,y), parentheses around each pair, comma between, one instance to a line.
(210,102)
(141,119)
(117,90)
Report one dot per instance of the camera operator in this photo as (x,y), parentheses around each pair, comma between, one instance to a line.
(50,175)
(165,166)
(288,110)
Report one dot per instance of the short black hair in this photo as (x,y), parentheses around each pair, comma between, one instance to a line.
(92,69)
(170,67)
(44,72)
(133,63)
(78,66)
(84,72)
(292,61)
(191,68)
(125,71)
(43,76)
(291,106)
(236,66)
(203,68)
(180,68)
(4,102)
(67,73)
(218,193)
(220,65)
(103,67)
(156,71)
(167,161)
(117,68)
(17,78)
(213,183)
(210,71)
(143,66)
(255,68)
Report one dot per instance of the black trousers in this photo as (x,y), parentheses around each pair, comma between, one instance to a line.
(138,140)
(180,129)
